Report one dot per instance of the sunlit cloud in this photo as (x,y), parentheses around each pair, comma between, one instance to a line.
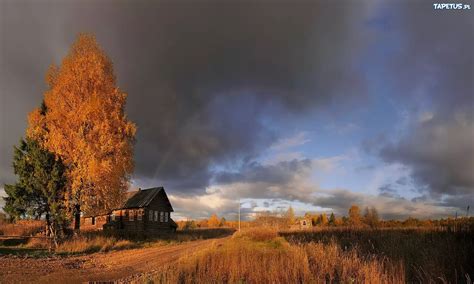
(299,139)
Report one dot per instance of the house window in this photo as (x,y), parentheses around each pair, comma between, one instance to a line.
(156,216)
(93,220)
(162,217)
(150,217)
(139,215)
(130,215)
(166,216)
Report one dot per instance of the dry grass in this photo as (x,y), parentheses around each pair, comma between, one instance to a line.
(178,236)
(258,234)
(428,254)
(95,243)
(90,242)
(38,243)
(328,262)
(260,256)
(22,228)
(199,234)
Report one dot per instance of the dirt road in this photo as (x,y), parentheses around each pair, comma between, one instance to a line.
(95,267)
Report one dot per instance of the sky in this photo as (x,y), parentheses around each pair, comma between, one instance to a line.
(316,105)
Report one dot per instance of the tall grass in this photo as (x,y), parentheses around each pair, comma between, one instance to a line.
(90,241)
(22,228)
(260,256)
(38,243)
(94,243)
(429,255)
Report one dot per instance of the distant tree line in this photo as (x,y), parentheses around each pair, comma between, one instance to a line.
(355,218)
(369,218)
(213,222)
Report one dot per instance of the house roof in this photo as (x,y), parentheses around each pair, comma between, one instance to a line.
(129,194)
(143,197)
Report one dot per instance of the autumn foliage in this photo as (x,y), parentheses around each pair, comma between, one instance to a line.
(83,121)
(213,221)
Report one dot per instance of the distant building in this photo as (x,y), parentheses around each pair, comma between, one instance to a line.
(302,224)
(146,212)
(306,224)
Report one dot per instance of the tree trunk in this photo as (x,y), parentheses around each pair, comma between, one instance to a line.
(77,217)
(48,225)
(51,232)
(54,235)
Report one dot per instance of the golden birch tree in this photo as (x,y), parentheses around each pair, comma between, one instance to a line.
(213,221)
(354,216)
(83,121)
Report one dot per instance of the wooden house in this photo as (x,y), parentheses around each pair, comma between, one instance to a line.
(93,222)
(147,212)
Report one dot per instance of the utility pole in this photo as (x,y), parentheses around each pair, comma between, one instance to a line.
(239,214)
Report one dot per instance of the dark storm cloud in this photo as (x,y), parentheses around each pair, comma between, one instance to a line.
(434,58)
(389,207)
(460,201)
(339,200)
(201,77)
(286,180)
(432,68)
(440,153)
(278,174)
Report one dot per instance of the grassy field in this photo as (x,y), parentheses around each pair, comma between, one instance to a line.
(342,255)
(262,256)
(266,255)
(21,228)
(427,254)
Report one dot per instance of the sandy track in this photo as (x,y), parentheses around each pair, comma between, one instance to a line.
(95,267)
